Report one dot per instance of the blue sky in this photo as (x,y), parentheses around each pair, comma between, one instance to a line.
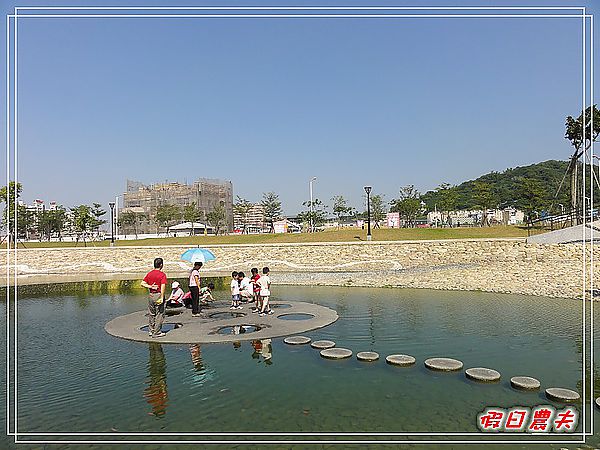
(269,103)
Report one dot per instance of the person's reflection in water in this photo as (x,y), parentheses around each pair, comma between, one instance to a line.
(263,348)
(156,390)
(196,353)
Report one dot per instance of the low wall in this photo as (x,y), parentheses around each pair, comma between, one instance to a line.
(503,265)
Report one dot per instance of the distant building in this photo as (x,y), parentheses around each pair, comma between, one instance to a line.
(39,205)
(206,193)
(393,220)
(254,220)
(189,228)
(507,216)
(286,226)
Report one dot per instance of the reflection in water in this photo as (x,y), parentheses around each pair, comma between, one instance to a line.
(201,372)
(264,350)
(196,353)
(156,390)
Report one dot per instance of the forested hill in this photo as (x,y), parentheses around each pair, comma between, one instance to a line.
(512,187)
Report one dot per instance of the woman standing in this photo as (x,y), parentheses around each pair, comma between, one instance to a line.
(195,288)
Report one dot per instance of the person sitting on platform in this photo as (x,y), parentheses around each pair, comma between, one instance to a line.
(205,294)
(176,298)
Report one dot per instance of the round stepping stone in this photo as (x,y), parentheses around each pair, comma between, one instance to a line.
(336,353)
(598,402)
(322,345)
(400,360)
(297,340)
(482,374)
(562,395)
(444,364)
(367,356)
(525,383)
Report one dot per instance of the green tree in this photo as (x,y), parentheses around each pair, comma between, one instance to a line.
(191,213)
(315,214)
(485,199)
(216,217)
(378,209)
(447,197)
(83,221)
(242,208)
(531,199)
(272,209)
(581,137)
(407,205)
(9,195)
(97,212)
(167,215)
(43,220)
(340,207)
(131,220)
(58,221)
(26,222)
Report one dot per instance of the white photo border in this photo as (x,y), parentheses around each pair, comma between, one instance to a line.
(13,18)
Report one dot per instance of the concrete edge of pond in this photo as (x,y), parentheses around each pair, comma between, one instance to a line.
(201,330)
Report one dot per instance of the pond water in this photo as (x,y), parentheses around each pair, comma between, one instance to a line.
(73,376)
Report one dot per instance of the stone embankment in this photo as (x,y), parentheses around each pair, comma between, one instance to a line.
(503,265)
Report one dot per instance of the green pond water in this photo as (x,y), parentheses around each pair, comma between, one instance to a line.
(74,377)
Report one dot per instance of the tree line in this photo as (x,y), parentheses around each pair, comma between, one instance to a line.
(83,220)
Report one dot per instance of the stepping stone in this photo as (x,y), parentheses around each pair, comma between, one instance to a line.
(322,345)
(297,340)
(367,356)
(525,383)
(482,374)
(400,360)
(562,395)
(598,402)
(336,353)
(443,364)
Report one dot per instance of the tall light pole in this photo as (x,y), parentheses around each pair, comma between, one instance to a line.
(310,188)
(368,191)
(112,223)
(116,215)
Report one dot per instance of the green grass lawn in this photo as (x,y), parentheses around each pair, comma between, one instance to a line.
(342,235)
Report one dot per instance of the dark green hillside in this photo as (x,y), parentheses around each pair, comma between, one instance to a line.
(511,188)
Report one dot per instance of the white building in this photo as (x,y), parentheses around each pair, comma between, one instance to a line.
(187,229)
(507,216)
(286,226)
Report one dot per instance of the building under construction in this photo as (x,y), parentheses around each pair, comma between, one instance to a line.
(206,193)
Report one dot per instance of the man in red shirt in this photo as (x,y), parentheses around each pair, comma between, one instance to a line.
(156,281)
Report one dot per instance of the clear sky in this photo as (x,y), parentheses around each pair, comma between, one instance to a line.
(270,103)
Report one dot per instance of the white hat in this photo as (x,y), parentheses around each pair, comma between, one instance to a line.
(175,284)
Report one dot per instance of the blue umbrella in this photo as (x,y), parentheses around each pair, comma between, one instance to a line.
(198,255)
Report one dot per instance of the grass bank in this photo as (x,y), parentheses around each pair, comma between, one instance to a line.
(342,235)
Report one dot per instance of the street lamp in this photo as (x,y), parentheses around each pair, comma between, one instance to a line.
(368,191)
(112,223)
(310,188)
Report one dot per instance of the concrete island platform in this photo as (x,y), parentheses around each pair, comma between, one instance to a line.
(220,324)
